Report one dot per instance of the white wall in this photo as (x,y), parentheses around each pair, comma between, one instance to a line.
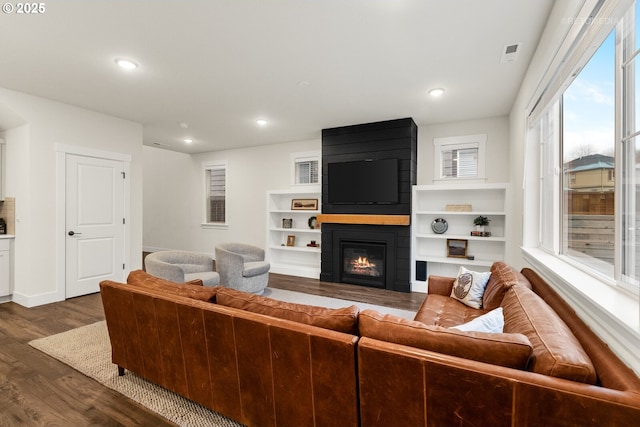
(174,195)
(497,149)
(31,179)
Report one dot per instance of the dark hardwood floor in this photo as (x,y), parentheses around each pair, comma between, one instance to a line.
(37,390)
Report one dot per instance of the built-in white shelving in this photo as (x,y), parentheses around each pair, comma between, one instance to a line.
(299,259)
(430,202)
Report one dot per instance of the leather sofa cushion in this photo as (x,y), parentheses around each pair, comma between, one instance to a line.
(439,310)
(510,350)
(192,289)
(502,278)
(556,351)
(337,319)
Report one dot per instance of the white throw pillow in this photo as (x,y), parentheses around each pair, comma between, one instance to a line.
(492,322)
(469,286)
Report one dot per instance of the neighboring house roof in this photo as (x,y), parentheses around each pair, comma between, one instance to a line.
(590,162)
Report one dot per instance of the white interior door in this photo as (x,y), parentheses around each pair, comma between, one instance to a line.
(94,223)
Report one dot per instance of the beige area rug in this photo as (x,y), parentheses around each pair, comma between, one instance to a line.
(88,350)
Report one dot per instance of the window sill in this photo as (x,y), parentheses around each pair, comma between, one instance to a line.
(460,180)
(218,226)
(613,314)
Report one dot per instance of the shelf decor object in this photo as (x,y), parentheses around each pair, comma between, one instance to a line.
(480,222)
(312,222)
(439,225)
(304,204)
(457,248)
(458,208)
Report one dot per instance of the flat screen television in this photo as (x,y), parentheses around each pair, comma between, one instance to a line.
(363,182)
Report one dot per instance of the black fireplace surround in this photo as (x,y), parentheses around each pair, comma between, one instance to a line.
(394,139)
(396,240)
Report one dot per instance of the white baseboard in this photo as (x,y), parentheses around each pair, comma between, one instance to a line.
(35,300)
(310,273)
(419,286)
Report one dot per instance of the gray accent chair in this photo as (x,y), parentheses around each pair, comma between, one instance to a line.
(182,266)
(242,267)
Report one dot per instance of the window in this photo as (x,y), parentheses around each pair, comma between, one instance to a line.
(307,172)
(589,163)
(628,162)
(588,143)
(460,157)
(216,193)
(306,168)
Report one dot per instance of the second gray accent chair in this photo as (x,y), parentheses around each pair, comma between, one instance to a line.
(242,267)
(182,266)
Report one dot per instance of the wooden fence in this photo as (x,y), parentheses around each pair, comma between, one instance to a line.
(592,235)
(590,203)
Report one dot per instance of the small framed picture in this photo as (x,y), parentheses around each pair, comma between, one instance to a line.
(291,240)
(457,248)
(304,204)
(287,222)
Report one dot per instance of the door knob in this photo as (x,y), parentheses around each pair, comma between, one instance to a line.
(73,233)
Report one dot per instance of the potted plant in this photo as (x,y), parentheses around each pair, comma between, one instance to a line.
(480,222)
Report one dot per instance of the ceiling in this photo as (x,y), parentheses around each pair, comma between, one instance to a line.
(219,65)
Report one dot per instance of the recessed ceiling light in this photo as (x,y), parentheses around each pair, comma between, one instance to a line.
(127,64)
(261,122)
(436,92)
(188,141)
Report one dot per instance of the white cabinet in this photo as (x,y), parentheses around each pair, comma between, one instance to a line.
(431,202)
(294,258)
(5,268)
(2,168)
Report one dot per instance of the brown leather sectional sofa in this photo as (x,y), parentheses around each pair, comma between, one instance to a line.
(268,363)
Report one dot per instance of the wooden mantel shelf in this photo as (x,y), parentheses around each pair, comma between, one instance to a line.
(364,219)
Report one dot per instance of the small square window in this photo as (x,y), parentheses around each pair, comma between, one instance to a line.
(307,172)
(459,157)
(305,168)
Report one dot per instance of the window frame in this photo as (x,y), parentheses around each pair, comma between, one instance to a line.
(206,167)
(445,144)
(594,37)
(305,156)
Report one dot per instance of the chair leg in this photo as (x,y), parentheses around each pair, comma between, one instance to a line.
(120,371)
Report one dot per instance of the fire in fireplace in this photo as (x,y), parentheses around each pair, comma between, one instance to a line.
(363,263)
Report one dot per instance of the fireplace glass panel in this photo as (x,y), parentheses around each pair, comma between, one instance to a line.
(363,263)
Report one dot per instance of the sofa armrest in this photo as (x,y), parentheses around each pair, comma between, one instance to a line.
(171,272)
(440,285)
